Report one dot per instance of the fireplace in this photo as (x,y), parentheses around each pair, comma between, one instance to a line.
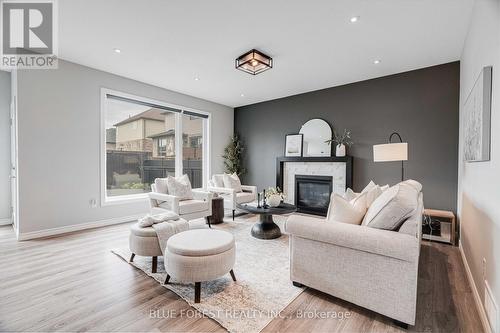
(312,194)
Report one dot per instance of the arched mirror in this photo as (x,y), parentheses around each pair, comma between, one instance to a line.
(316,132)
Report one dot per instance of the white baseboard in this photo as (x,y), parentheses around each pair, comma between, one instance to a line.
(5,221)
(477,298)
(77,227)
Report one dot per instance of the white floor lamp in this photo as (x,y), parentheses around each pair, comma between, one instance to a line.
(391,152)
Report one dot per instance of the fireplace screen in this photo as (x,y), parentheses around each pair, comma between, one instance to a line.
(312,194)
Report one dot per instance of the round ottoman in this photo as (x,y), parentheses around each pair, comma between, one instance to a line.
(199,255)
(144,242)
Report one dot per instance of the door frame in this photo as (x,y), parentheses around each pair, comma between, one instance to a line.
(14,186)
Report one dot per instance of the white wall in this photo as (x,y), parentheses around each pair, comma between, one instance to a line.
(479,183)
(4,147)
(59,148)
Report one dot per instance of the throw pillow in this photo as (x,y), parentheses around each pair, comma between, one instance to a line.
(180,187)
(392,207)
(161,185)
(232,181)
(369,187)
(385,187)
(341,210)
(350,194)
(414,183)
(372,191)
(218,180)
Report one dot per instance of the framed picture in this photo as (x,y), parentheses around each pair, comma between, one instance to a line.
(293,145)
(477,119)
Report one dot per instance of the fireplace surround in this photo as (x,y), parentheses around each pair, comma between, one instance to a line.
(338,169)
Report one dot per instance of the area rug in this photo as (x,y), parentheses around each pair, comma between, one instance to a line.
(263,288)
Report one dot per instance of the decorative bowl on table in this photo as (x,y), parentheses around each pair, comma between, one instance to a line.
(274,200)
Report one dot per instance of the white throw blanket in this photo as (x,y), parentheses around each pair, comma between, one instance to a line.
(167,229)
(149,220)
(166,225)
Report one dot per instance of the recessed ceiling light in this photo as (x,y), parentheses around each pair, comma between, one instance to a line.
(117,50)
(354,19)
(376,62)
(197,79)
(242,95)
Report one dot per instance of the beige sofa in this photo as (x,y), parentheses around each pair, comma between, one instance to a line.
(373,268)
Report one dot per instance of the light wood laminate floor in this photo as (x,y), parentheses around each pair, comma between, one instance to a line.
(73,283)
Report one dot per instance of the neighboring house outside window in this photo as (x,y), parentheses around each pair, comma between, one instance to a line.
(140,145)
(163,144)
(162,147)
(195,141)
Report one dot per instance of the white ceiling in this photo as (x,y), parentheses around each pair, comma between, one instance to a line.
(313,43)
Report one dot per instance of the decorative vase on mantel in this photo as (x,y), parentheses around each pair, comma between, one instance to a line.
(340,150)
(340,141)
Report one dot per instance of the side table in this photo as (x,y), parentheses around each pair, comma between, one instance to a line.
(217,210)
(447,222)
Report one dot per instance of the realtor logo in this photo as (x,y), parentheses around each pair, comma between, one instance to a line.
(28,34)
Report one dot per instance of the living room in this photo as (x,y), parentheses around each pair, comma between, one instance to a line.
(195,167)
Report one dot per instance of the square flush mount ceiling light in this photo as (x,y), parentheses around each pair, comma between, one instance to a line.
(254,62)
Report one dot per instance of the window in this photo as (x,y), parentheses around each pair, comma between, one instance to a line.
(195,141)
(162,147)
(192,148)
(140,144)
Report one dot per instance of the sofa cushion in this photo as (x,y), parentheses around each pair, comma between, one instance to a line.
(200,242)
(413,224)
(218,180)
(392,207)
(192,206)
(244,197)
(180,187)
(232,181)
(382,242)
(341,210)
(161,185)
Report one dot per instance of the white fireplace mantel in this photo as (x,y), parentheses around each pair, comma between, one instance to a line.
(339,168)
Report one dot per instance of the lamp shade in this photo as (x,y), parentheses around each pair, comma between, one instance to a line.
(390,152)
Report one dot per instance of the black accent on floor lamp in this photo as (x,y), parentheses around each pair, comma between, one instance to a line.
(402,162)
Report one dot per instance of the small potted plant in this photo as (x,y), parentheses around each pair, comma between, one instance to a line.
(341,141)
(274,196)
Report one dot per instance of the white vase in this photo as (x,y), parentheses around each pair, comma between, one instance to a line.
(274,200)
(340,150)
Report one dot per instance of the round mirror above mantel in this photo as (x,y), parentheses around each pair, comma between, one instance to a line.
(316,132)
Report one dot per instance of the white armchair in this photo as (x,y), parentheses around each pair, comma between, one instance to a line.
(231,197)
(198,207)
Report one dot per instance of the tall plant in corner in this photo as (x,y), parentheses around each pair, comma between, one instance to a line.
(233,155)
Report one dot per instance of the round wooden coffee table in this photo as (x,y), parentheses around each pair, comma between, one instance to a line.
(266,228)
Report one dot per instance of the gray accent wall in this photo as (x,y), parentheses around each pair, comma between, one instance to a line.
(422,105)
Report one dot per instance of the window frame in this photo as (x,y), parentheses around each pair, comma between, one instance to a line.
(121,199)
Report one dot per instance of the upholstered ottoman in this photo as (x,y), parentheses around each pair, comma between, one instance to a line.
(199,255)
(144,242)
